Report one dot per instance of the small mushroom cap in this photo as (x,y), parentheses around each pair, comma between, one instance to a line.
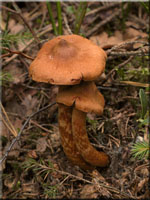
(68,59)
(85,97)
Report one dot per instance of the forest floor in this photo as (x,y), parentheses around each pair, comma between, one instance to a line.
(36,166)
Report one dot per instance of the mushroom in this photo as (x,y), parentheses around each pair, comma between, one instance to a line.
(84,98)
(67,140)
(66,61)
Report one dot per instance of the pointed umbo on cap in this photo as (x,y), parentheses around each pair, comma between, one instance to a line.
(68,59)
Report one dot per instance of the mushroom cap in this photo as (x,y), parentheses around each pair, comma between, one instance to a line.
(68,59)
(85,97)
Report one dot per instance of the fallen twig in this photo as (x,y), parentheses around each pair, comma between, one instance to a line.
(41,127)
(102,8)
(17,52)
(112,189)
(120,65)
(137,84)
(21,130)
(95,13)
(122,44)
(99,25)
(24,20)
(7,122)
(29,43)
(5,55)
(141,51)
(66,24)
(140,21)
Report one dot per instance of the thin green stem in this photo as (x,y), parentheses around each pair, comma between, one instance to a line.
(7,20)
(51,17)
(80,16)
(59,18)
(145,6)
(8,17)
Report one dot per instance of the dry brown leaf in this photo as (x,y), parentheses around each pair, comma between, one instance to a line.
(17,29)
(32,154)
(29,186)
(30,104)
(79,174)
(98,176)
(144,172)
(107,13)
(10,182)
(11,127)
(22,44)
(133,24)
(105,42)
(88,192)
(121,127)
(4,130)
(98,179)
(41,144)
(17,124)
(131,33)
(118,37)
(55,137)
(15,107)
(141,184)
(143,39)
(99,39)
(11,24)
(146,195)
(16,73)
(15,150)
(103,191)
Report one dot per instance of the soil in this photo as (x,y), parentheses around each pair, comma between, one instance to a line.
(36,166)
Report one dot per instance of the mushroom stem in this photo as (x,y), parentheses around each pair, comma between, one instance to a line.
(87,151)
(65,129)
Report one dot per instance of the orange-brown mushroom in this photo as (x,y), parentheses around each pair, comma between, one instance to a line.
(84,98)
(67,60)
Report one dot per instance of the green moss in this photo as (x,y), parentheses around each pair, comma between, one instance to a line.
(50,191)
(8,39)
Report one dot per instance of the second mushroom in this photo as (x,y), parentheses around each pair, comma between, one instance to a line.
(82,98)
(73,62)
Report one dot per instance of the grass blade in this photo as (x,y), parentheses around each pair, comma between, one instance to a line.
(51,17)
(80,16)
(59,18)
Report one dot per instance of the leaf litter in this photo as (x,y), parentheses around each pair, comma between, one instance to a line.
(36,166)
